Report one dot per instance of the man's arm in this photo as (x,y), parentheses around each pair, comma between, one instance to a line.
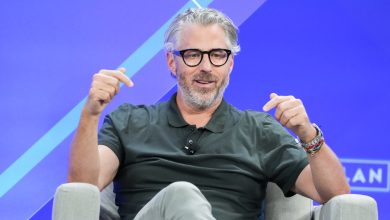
(89,162)
(324,177)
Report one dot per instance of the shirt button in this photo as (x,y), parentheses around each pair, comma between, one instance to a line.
(190,141)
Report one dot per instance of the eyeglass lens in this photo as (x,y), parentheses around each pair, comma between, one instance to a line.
(217,57)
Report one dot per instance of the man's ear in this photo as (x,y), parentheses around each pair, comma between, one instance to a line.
(231,64)
(171,63)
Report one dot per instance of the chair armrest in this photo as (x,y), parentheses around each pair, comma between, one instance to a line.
(348,207)
(76,201)
(278,207)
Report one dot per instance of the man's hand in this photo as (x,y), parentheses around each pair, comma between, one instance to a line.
(324,177)
(105,85)
(291,113)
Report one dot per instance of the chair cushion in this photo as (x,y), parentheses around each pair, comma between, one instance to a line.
(108,208)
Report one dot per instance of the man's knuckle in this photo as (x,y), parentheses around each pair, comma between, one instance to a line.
(112,90)
(282,106)
(95,76)
(287,114)
(107,96)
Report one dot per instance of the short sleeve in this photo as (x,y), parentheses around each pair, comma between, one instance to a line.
(113,124)
(284,158)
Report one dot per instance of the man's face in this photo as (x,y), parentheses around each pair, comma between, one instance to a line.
(201,86)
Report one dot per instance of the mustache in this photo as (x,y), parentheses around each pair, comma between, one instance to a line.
(205,76)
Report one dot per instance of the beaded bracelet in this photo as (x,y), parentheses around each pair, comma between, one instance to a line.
(314,149)
(313,146)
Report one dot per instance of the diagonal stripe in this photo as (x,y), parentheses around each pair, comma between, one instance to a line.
(62,129)
(196,3)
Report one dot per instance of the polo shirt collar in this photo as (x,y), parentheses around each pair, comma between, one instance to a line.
(174,116)
(216,123)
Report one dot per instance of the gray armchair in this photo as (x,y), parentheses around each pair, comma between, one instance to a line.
(84,201)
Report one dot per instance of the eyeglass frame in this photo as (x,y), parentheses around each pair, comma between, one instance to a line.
(181,53)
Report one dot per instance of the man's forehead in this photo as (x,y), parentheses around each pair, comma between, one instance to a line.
(202,35)
(193,27)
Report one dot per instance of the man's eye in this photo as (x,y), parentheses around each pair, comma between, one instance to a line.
(218,55)
(192,55)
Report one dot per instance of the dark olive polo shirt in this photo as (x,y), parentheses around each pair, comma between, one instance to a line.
(236,154)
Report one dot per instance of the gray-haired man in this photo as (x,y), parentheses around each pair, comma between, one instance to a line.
(196,156)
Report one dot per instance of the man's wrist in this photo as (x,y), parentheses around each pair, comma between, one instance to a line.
(314,144)
(87,115)
(309,135)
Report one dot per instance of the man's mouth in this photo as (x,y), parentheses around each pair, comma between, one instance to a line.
(204,82)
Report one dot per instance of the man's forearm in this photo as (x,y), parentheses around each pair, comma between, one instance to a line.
(84,156)
(328,174)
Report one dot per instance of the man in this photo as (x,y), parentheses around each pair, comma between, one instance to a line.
(196,156)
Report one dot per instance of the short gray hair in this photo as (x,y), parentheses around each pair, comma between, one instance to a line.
(203,16)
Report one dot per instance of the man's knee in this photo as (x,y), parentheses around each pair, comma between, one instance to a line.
(182,187)
(185,201)
(184,192)
(179,200)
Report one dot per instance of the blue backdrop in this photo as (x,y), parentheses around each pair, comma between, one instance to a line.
(333,54)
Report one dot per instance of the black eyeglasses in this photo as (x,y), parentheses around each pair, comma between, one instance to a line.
(193,57)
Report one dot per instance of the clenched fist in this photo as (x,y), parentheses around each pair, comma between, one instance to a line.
(105,85)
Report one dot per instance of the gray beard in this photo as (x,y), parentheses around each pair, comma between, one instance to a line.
(203,98)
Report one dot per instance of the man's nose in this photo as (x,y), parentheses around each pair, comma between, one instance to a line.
(206,65)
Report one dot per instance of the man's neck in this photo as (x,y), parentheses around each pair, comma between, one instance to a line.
(194,116)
